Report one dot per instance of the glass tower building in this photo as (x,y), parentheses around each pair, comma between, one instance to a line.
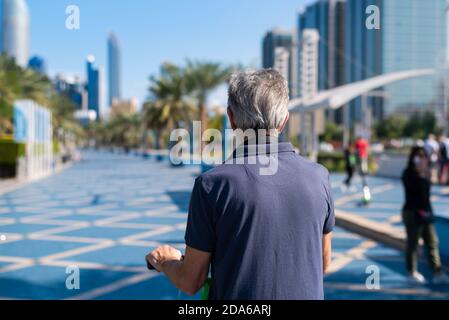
(276,42)
(114,68)
(14,30)
(327,17)
(412,35)
(274,39)
(38,64)
(94,86)
(73,88)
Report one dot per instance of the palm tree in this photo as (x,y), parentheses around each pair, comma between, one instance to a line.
(64,122)
(35,86)
(155,120)
(202,78)
(124,131)
(9,91)
(18,83)
(168,105)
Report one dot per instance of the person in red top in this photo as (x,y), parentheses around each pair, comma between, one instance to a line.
(362,147)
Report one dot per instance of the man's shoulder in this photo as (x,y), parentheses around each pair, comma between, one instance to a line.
(312,166)
(233,173)
(220,173)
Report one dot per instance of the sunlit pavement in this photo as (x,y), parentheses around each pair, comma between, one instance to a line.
(355,256)
(106,213)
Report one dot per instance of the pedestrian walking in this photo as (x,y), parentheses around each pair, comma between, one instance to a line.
(362,148)
(417,215)
(350,165)
(443,160)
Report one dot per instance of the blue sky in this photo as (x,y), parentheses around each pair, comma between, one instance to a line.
(154,31)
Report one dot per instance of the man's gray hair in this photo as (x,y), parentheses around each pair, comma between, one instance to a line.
(258,99)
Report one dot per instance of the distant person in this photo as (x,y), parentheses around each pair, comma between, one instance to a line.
(267,237)
(417,215)
(443,159)
(431,147)
(362,148)
(350,164)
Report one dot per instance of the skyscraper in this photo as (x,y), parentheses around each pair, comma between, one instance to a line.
(274,39)
(114,68)
(279,52)
(73,88)
(308,64)
(412,35)
(327,17)
(308,83)
(14,30)
(38,64)
(94,86)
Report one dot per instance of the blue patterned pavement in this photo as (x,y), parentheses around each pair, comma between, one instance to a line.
(107,212)
(354,255)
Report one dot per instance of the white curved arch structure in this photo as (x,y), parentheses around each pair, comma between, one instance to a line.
(338,97)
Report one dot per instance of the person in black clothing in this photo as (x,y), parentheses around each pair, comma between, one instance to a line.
(418,217)
(350,164)
(443,159)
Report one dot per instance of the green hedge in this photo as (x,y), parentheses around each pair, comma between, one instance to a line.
(335,161)
(10,151)
(55,146)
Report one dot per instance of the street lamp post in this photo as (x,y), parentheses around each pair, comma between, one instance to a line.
(367,112)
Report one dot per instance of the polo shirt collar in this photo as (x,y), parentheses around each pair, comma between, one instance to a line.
(247,150)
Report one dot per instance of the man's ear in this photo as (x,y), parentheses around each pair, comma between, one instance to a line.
(285,123)
(231,119)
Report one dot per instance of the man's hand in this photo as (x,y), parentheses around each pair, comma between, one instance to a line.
(188,274)
(162,254)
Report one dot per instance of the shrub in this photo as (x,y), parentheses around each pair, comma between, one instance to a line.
(55,146)
(9,153)
(335,161)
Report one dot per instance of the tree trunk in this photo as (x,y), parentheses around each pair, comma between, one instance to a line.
(144,141)
(158,139)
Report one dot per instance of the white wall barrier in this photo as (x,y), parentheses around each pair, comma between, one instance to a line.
(391,166)
(33,127)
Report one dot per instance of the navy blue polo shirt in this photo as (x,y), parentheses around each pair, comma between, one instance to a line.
(264,231)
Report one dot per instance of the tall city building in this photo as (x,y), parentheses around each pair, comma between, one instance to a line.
(327,17)
(412,35)
(72,88)
(38,64)
(308,65)
(279,52)
(114,68)
(15,30)
(274,39)
(94,86)
(308,84)
(282,61)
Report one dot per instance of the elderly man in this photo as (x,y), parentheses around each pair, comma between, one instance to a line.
(265,237)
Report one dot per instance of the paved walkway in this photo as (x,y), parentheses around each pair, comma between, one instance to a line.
(107,212)
(348,276)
